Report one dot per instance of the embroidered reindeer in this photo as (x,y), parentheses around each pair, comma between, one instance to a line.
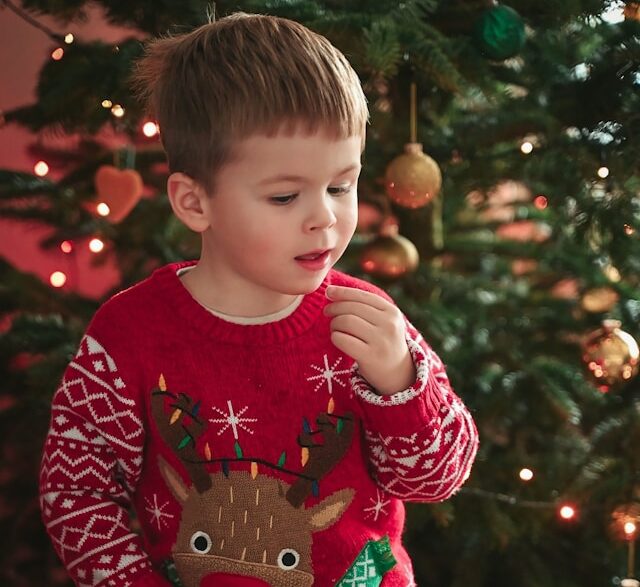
(240,527)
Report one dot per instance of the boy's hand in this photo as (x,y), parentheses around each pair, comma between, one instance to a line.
(372,331)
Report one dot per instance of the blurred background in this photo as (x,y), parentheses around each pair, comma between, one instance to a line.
(499,206)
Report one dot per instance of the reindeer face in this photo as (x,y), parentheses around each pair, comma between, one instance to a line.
(240,529)
(245,531)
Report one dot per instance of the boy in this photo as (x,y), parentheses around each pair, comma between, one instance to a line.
(263,414)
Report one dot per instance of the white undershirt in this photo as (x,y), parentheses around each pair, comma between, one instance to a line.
(249,320)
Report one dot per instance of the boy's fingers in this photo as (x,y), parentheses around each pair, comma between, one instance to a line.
(355,326)
(364,311)
(349,344)
(339,293)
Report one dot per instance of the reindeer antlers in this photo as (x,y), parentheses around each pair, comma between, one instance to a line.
(323,455)
(181,436)
(324,446)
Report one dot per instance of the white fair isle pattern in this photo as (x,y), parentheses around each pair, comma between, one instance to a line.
(428,367)
(328,374)
(232,420)
(429,466)
(378,506)
(92,458)
(432,463)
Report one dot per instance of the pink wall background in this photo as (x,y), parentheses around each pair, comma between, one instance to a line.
(24,50)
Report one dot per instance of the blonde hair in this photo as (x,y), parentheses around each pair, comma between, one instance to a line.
(241,75)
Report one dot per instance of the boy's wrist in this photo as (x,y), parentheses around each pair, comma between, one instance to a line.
(396,380)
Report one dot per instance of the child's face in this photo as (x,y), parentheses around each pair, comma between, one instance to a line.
(280,198)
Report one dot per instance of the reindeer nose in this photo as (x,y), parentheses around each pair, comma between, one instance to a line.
(228,580)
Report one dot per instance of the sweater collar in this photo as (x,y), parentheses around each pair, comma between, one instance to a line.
(189,310)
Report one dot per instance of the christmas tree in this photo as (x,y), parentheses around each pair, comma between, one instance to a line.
(499,206)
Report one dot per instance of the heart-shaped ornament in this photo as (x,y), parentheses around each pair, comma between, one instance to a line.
(119,189)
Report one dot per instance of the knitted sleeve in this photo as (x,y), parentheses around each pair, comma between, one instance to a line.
(423,440)
(92,460)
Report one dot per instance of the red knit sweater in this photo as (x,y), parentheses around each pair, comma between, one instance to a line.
(252,455)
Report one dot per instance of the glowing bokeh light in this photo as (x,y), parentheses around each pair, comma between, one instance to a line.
(103,209)
(150,129)
(41,168)
(526,474)
(57,279)
(526,147)
(96,245)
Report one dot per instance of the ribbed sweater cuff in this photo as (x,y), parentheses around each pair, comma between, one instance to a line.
(406,411)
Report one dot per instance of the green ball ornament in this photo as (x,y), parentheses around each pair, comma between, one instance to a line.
(500,33)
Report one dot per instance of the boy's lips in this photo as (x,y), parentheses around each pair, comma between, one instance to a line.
(312,254)
(315,260)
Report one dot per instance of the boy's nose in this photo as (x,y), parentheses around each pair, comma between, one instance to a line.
(321,216)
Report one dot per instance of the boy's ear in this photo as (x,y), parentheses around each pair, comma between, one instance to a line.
(188,200)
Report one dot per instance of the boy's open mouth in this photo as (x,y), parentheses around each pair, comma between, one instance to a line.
(312,256)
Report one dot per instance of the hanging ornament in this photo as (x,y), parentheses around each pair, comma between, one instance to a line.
(118,192)
(413,179)
(611,355)
(599,299)
(632,11)
(499,32)
(390,255)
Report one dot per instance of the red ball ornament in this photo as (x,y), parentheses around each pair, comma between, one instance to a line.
(413,179)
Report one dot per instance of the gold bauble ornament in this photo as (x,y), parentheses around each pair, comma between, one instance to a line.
(389,255)
(413,179)
(599,299)
(611,355)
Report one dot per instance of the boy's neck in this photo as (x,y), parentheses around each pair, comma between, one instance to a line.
(205,284)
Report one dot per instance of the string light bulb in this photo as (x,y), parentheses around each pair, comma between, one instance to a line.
(106,103)
(96,245)
(526,474)
(57,279)
(68,38)
(603,172)
(150,129)
(66,247)
(630,529)
(117,111)
(41,168)
(567,512)
(526,147)
(540,202)
(103,209)
(57,54)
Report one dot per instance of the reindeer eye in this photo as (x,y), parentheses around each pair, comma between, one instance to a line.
(200,542)
(288,559)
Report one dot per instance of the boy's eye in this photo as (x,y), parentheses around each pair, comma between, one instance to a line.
(283,199)
(339,190)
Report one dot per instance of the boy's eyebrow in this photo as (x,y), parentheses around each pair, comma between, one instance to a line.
(283,177)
